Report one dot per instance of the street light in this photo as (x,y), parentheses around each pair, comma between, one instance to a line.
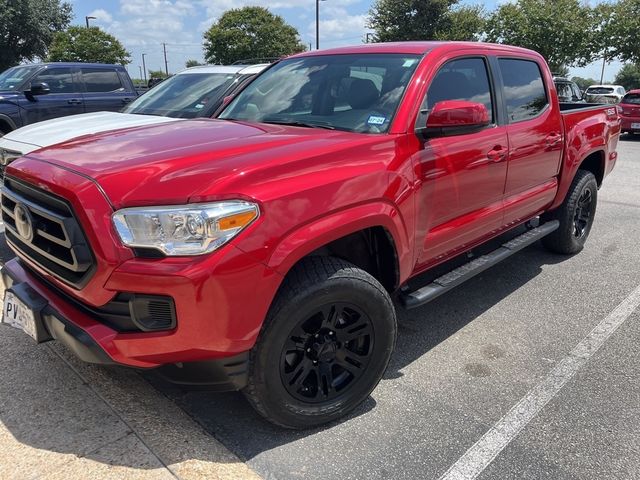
(144,68)
(86,19)
(318,23)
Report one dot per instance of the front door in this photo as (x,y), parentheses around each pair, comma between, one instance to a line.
(64,98)
(104,91)
(461,177)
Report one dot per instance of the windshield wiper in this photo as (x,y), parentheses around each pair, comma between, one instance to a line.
(298,123)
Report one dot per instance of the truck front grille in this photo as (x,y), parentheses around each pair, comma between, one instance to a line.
(43,229)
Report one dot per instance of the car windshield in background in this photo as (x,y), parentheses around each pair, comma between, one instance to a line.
(13,78)
(187,95)
(599,91)
(355,93)
(632,98)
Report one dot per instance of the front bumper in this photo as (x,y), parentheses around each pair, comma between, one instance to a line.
(224,374)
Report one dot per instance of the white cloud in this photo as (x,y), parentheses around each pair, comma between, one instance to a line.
(102,15)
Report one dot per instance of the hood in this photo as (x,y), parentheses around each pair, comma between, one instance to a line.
(58,130)
(192,159)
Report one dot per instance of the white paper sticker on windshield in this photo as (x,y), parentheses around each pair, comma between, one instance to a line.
(375,120)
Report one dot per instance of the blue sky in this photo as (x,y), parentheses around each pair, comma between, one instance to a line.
(143,25)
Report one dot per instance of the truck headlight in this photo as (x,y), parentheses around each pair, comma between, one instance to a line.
(8,156)
(193,229)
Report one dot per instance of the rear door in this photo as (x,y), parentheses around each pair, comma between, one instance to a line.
(461,177)
(104,90)
(65,97)
(535,137)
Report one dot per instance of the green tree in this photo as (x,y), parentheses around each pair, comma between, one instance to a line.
(80,44)
(249,32)
(629,76)
(192,63)
(27,28)
(584,83)
(619,24)
(400,20)
(561,30)
(157,74)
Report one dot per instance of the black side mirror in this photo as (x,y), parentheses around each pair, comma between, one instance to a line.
(39,88)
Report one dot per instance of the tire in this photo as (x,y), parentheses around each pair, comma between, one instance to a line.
(576,215)
(325,344)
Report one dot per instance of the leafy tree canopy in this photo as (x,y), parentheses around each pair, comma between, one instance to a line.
(629,76)
(399,20)
(561,30)
(584,83)
(27,28)
(80,44)
(192,63)
(249,32)
(619,24)
(158,74)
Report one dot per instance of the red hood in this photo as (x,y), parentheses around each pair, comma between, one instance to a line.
(190,159)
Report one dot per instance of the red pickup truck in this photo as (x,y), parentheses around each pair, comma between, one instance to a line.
(267,250)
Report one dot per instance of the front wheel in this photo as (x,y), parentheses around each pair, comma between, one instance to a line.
(576,215)
(325,345)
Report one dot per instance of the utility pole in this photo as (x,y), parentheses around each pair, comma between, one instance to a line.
(318,23)
(144,68)
(604,63)
(141,73)
(166,65)
(86,19)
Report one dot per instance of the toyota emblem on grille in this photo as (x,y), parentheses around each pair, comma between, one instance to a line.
(24,222)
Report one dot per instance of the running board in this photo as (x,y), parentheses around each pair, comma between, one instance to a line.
(461,274)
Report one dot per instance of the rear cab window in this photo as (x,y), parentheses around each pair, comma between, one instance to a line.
(524,91)
(632,98)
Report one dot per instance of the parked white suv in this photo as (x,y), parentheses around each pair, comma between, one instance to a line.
(605,93)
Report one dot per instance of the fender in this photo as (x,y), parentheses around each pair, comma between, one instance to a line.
(569,169)
(322,231)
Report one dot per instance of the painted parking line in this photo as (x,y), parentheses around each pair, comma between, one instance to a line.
(485,450)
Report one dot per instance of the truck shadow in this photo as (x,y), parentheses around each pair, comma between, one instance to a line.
(229,418)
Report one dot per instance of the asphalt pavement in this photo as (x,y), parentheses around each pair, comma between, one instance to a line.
(531,370)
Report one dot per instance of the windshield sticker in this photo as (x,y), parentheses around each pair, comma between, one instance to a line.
(375,120)
(199,106)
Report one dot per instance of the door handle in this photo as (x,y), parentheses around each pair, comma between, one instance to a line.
(497,154)
(553,139)
(74,101)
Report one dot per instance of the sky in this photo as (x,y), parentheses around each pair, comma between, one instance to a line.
(144,25)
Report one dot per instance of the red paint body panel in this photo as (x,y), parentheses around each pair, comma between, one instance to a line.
(434,198)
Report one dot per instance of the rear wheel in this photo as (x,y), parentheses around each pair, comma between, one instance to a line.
(576,215)
(326,343)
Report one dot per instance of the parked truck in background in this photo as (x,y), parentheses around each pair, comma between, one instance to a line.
(37,92)
(268,251)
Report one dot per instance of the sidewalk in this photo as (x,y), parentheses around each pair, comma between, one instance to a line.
(62,419)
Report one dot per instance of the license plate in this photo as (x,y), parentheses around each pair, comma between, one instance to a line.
(19,315)
(635,126)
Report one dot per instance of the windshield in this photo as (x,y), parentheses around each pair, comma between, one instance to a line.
(599,90)
(13,78)
(355,93)
(187,95)
(565,93)
(632,98)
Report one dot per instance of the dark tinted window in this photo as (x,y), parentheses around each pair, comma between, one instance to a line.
(59,80)
(464,79)
(524,91)
(632,98)
(99,80)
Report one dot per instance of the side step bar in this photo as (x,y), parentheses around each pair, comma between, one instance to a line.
(461,274)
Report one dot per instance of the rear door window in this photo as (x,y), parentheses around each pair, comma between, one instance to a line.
(100,80)
(524,91)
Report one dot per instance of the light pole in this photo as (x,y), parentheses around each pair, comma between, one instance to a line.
(86,19)
(144,68)
(318,23)
(140,71)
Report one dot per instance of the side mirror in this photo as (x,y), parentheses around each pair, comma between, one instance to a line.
(39,88)
(455,117)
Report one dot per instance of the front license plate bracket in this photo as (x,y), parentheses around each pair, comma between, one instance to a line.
(36,303)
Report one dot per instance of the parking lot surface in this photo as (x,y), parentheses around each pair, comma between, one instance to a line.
(464,361)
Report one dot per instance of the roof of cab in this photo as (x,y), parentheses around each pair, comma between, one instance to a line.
(415,48)
(74,64)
